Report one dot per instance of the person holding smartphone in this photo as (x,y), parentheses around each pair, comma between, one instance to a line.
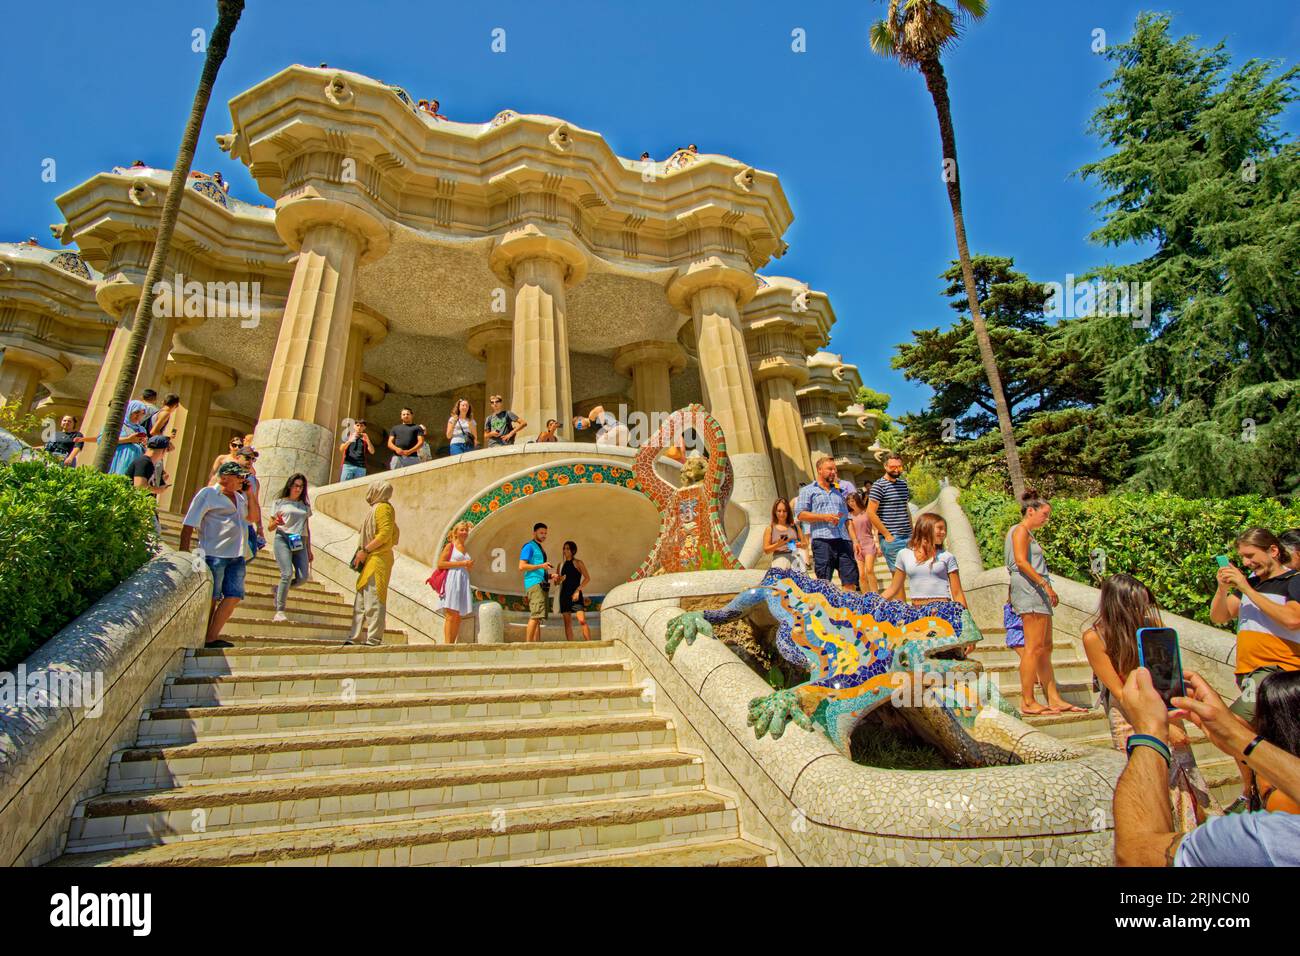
(291,539)
(1266,607)
(1126,606)
(355,447)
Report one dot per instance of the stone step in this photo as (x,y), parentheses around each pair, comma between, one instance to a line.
(1068,726)
(266,630)
(1079,693)
(552,630)
(567,831)
(1068,673)
(174,764)
(727,853)
(997,652)
(263,609)
(324,713)
(371,794)
(209,688)
(284,657)
(297,605)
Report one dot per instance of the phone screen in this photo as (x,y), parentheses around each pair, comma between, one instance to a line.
(1158,653)
(1222,560)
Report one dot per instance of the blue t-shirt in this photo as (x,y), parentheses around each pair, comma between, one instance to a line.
(532,553)
(1243,839)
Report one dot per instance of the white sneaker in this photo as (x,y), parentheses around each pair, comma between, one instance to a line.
(279,618)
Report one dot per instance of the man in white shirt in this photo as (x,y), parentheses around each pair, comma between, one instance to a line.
(220,516)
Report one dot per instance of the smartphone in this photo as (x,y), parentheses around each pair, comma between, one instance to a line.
(1158,653)
(1221,560)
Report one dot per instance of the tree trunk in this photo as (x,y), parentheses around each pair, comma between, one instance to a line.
(937,84)
(228,13)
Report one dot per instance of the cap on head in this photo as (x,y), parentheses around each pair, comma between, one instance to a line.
(160,441)
(232,468)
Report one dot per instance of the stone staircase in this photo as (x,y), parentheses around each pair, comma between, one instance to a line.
(1091,729)
(289,749)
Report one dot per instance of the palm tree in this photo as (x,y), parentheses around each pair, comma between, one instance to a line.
(915,33)
(228,12)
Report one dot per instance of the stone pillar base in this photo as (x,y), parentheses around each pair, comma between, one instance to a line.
(491,626)
(755,492)
(288,446)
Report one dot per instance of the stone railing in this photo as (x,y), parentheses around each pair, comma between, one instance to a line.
(815,807)
(1206,650)
(125,645)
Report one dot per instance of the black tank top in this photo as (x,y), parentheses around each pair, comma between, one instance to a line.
(572,578)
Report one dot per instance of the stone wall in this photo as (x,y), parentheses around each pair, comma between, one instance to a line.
(52,758)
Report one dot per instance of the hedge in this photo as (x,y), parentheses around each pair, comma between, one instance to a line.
(68,536)
(1167,542)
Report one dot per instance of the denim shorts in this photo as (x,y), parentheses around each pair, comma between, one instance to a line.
(891,549)
(459,448)
(227,577)
(352,471)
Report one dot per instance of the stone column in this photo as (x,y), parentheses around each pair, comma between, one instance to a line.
(650,364)
(57,405)
(119,298)
(777,362)
(23,370)
(491,343)
(368,329)
(712,292)
(195,379)
(540,266)
(300,408)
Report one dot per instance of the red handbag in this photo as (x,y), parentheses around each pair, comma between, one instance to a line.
(438,581)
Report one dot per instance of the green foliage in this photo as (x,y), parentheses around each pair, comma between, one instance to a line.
(1049,384)
(923,482)
(68,536)
(710,560)
(1200,171)
(1166,542)
(19,422)
(776,677)
(872,400)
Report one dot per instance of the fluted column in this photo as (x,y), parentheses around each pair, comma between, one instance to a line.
(650,365)
(300,409)
(492,343)
(779,368)
(540,266)
(195,379)
(711,292)
(368,329)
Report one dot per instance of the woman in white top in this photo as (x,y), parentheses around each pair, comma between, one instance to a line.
(457,599)
(291,539)
(929,571)
(462,430)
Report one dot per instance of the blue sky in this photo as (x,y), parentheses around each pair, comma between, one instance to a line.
(852,136)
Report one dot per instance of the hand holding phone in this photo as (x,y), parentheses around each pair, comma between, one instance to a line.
(1158,653)
(1221,560)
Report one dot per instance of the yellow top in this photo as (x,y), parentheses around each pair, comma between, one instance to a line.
(380,563)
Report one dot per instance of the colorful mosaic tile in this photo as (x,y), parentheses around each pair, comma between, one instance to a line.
(71,262)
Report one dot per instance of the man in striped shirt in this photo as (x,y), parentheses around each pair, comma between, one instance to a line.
(887,506)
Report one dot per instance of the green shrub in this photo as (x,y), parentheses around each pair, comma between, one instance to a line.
(923,482)
(1164,541)
(68,536)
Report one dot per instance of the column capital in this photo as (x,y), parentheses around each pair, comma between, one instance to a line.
(191,365)
(532,241)
(372,325)
(709,273)
(47,363)
(116,294)
(298,214)
(373,389)
(638,353)
(485,336)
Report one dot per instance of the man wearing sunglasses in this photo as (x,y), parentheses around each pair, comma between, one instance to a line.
(502,425)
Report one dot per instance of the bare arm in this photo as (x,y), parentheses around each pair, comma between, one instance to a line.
(873,512)
(895,585)
(1144,821)
(1020,551)
(1101,664)
(445,563)
(582,568)
(187,537)
(954,582)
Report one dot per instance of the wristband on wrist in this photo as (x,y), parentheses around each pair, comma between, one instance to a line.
(1147,740)
(1250,747)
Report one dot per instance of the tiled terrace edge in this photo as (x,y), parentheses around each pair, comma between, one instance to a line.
(51,758)
(799,796)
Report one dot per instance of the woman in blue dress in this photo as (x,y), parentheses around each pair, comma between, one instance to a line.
(130,441)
